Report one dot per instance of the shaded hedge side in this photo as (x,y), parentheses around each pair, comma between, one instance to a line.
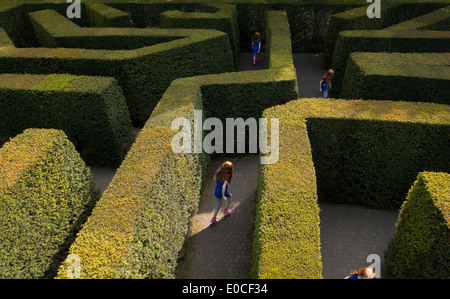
(402,41)
(91,111)
(420,246)
(392,12)
(101,15)
(419,77)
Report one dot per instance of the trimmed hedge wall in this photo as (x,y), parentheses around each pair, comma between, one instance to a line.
(91,110)
(54,30)
(429,21)
(420,246)
(46,193)
(374,162)
(142,73)
(223,19)
(360,152)
(397,76)
(101,15)
(287,236)
(139,225)
(392,12)
(419,41)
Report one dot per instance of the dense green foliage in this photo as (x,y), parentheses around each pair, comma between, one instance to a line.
(223,19)
(138,71)
(396,76)
(287,235)
(360,152)
(420,246)
(392,12)
(141,221)
(101,15)
(46,192)
(91,111)
(180,56)
(374,162)
(418,29)
(418,41)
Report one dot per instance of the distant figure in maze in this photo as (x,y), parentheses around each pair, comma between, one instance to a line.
(325,83)
(256,47)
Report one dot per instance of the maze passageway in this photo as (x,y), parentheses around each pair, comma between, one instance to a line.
(223,250)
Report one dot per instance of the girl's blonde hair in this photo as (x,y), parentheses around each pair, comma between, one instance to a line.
(226,171)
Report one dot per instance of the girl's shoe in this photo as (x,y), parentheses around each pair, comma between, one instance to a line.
(226,212)
(214,220)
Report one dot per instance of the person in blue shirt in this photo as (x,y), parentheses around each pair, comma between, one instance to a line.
(223,178)
(325,83)
(256,47)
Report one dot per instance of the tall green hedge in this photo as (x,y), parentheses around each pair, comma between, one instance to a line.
(396,76)
(392,12)
(374,162)
(101,15)
(223,19)
(410,28)
(46,193)
(143,73)
(309,19)
(54,30)
(359,152)
(91,110)
(427,21)
(420,246)
(139,225)
(403,41)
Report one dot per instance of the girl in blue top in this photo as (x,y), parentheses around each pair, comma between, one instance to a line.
(325,83)
(223,178)
(256,47)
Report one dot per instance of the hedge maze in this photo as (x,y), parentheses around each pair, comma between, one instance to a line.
(71,91)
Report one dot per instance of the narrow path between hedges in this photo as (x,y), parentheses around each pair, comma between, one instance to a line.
(223,250)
